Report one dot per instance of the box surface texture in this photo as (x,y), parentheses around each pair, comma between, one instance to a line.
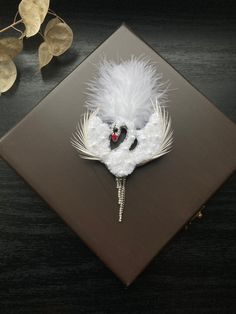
(161,196)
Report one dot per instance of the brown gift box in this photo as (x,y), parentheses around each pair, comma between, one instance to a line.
(162,196)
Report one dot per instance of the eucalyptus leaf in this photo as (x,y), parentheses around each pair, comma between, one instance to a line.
(51,24)
(59,37)
(43,6)
(45,56)
(29,13)
(8,73)
(33,13)
(12,46)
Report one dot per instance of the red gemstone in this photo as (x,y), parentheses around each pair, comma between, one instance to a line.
(114,137)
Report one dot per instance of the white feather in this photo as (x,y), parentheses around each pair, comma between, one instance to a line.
(125,91)
(79,139)
(143,112)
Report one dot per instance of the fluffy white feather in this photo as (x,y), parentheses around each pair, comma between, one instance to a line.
(125,91)
(130,93)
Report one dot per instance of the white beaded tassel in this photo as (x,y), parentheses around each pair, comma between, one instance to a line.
(120,185)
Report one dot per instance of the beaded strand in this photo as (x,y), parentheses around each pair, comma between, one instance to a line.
(120,185)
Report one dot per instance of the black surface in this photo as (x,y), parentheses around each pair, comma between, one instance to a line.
(44,267)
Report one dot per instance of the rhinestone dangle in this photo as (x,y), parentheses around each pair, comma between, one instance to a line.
(120,185)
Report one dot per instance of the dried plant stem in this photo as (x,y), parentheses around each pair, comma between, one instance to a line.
(15,16)
(51,12)
(11,26)
(15,28)
(41,34)
(18,30)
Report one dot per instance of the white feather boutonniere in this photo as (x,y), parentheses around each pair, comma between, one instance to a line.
(126,123)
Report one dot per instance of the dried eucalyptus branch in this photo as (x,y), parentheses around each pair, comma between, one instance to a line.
(57,36)
(11,26)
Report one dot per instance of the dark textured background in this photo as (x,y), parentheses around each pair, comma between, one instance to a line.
(44,267)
